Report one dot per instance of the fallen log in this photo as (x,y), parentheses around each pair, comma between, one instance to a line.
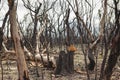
(40,57)
(52,60)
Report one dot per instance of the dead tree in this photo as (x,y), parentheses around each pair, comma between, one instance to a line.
(61,63)
(112,60)
(70,56)
(67,26)
(34,19)
(21,63)
(65,63)
(1,38)
(115,47)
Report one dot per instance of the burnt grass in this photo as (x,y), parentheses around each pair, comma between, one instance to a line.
(10,70)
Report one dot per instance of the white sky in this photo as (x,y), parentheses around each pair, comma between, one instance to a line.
(21,11)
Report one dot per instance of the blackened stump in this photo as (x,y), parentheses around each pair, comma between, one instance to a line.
(65,64)
(70,61)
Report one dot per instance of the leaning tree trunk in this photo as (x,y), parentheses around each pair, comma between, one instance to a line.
(21,63)
(112,60)
(115,48)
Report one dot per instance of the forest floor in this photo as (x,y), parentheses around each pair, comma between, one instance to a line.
(10,71)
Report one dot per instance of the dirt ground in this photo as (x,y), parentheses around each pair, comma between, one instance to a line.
(10,71)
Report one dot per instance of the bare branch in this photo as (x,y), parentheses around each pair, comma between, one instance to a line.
(88,3)
(80,19)
(5,19)
(28,5)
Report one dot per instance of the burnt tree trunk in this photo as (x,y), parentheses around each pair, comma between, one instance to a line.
(67,26)
(34,32)
(65,64)
(112,60)
(70,61)
(61,65)
(1,38)
(35,25)
(91,65)
(115,48)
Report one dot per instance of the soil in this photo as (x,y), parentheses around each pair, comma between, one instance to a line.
(10,71)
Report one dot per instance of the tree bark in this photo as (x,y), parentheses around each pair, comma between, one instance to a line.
(65,63)
(70,61)
(115,48)
(61,63)
(21,63)
(112,60)
(1,38)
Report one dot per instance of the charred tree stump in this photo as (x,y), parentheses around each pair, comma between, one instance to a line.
(60,63)
(65,63)
(70,61)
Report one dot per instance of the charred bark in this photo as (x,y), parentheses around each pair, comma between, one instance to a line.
(112,60)
(61,63)
(70,61)
(1,38)
(115,48)
(91,65)
(65,64)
